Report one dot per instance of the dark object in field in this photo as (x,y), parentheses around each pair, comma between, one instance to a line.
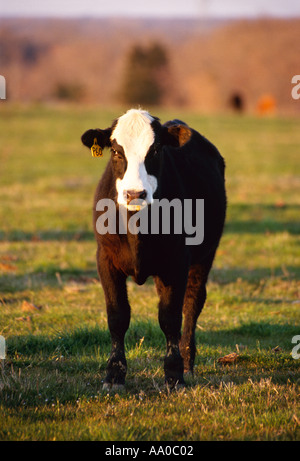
(150,161)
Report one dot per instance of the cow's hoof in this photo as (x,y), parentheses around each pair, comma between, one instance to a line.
(172,385)
(116,388)
(106,387)
(175,387)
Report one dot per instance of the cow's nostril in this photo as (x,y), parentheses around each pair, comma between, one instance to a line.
(143,194)
(134,194)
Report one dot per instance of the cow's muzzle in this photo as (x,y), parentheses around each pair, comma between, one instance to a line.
(134,194)
(135,199)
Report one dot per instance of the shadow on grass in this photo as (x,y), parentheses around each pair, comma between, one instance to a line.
(224,276)
(266,333)
(71,365)
(48,276)
(242,218)
(18,235)
(260,218)
(263,227)
(85,340)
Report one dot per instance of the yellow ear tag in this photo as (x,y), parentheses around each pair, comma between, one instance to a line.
(96,149)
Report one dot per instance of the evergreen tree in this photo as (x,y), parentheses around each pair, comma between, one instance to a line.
(143,80)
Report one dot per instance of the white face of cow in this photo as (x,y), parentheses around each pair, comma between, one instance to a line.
(134,133)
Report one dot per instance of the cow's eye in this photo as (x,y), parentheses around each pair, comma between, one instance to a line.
(116,154)
(154,149)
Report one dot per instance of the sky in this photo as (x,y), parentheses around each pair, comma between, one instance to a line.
(151,8)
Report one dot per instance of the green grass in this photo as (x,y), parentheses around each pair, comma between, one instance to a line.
(51,380)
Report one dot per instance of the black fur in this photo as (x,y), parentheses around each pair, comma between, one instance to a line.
(186,165)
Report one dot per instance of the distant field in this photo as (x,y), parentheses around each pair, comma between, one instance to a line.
(52,311)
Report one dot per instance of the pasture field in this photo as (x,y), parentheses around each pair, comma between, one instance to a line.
(52,312)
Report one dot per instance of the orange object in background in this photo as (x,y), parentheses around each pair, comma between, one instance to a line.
(266,105)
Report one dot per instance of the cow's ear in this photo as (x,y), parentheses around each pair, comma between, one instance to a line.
(102,136)
(176,134)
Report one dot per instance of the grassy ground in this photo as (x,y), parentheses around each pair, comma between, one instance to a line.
(52,311)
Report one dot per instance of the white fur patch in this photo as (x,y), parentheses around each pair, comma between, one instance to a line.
(135,134)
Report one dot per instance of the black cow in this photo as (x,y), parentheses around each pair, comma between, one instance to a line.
(151,162)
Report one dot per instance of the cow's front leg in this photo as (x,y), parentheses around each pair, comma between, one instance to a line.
(118,316)
(170,319)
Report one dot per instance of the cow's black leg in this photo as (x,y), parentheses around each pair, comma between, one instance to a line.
(194,300)
(118,316)
(170,319)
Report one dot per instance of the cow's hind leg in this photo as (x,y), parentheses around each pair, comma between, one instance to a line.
(170,319)
(118,316)
(194,300)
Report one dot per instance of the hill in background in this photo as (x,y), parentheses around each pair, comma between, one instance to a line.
(213,65)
